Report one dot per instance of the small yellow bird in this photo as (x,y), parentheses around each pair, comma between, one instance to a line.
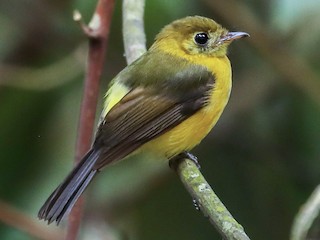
(164,103)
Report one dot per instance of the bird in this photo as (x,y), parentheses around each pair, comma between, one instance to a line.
(164,104)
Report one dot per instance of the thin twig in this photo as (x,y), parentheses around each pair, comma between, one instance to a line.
(97,31)
(45,78)
(306,216)
(133,30)
(15,218)
(289,65)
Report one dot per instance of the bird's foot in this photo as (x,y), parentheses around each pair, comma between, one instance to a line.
(175,161)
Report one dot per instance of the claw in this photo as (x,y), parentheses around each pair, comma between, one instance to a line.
(174,162)
(196,204)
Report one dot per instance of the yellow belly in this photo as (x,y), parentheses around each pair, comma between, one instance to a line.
(190,132)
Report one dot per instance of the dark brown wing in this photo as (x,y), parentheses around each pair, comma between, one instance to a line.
(141,116)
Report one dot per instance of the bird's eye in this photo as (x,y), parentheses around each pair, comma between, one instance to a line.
(201,38)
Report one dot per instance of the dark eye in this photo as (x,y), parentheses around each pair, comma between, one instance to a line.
(201,38)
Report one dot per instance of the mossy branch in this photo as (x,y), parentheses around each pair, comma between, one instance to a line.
(208,202)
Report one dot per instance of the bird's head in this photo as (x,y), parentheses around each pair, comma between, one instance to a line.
(197,35)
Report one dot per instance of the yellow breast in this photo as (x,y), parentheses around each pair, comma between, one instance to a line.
(190,132)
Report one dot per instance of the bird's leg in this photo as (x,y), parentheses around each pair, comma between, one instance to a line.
(174,162)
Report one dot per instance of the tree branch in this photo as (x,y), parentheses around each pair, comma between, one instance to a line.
(191,177)
(18,220)
(306,217)
(133,29)
(44,78)
(208,202)
(97,31)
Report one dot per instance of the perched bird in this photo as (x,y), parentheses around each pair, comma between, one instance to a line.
(164,103)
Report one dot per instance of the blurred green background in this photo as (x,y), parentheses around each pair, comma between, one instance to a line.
(262,158)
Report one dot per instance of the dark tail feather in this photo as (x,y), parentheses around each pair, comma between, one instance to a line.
(61,201)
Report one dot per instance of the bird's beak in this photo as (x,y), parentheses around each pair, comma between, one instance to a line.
(230,36)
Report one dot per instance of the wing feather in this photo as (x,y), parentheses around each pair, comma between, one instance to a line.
(141,116)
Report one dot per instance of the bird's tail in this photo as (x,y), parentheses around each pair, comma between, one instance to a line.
(61,201)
